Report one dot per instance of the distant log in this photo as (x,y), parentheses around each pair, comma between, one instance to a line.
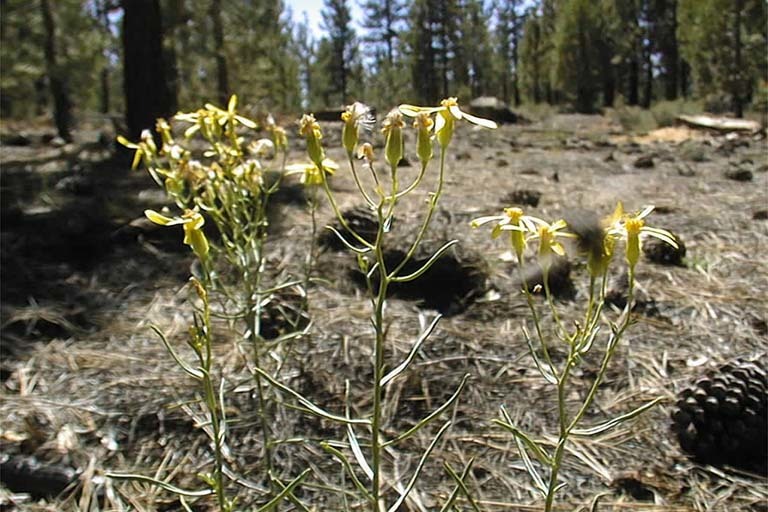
(724,124)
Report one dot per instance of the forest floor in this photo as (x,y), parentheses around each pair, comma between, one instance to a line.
(87,387)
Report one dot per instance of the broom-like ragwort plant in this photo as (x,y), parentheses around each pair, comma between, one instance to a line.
(361,456)
(230,184)
(599,244)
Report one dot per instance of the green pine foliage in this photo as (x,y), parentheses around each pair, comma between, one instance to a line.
(572,54)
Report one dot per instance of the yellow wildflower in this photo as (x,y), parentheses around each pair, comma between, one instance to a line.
(192,222)
(632,228)
(447,113)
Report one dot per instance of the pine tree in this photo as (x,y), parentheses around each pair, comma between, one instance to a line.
(508,34)
(423,63)
(337,22)
(724,41)
(577,52)
(383,22)
(147,95)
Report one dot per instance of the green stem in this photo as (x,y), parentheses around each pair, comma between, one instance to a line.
(212,404)
(378,365)
(358,183)
(536,319)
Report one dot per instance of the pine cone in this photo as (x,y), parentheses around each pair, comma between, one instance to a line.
(721,418)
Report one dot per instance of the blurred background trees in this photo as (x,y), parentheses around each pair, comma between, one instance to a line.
(135,59)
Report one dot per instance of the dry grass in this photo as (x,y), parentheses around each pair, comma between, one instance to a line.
(106,397)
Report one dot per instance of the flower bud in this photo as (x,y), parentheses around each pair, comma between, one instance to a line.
(310,130)
(633,227)
(424,124)
(393,131)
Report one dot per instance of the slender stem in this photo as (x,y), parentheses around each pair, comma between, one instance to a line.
(536,319)
(212,403)
(378,363)
(337,212)
(427,219)
(312,245)
(357,181)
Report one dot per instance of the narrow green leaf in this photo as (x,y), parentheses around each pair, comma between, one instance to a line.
(348,467)
(287,490)
(419,467)
(412,354)
(608,425)
(195,373)
(460,486)
(163,485)
(434,414)
(310,407)
(547,374)
(358,453)
(538,482)
(426,266)
(347,244)
(532,445)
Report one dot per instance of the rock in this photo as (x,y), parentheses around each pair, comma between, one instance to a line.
(644,162)
(501,163)
(58,142)
(492,108)
(739,174)
(15,139)
(463,155)
(27,474)
(760,215)
(685,170)
(522,197)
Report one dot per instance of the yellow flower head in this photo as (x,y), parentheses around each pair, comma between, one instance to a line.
(447,113)
(632,228)
(549,245)
(310,130)
(192,222)
(392,128)
(365,150)
(310,172)
(516,222)
(280,138)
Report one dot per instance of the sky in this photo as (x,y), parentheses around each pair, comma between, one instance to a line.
(313,9)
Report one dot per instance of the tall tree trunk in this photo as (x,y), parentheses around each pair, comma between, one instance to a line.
(648,68)
(222,77)
(738,99)
(516,62)
(104,78)
(62,107)
(672,54)
(633,92)
(147,95)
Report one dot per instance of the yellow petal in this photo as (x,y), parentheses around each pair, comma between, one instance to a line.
(485,123)
(439,123)
(125,142)
(246,122)
(137,158)
(159,219)
(232,105)
(413,110)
